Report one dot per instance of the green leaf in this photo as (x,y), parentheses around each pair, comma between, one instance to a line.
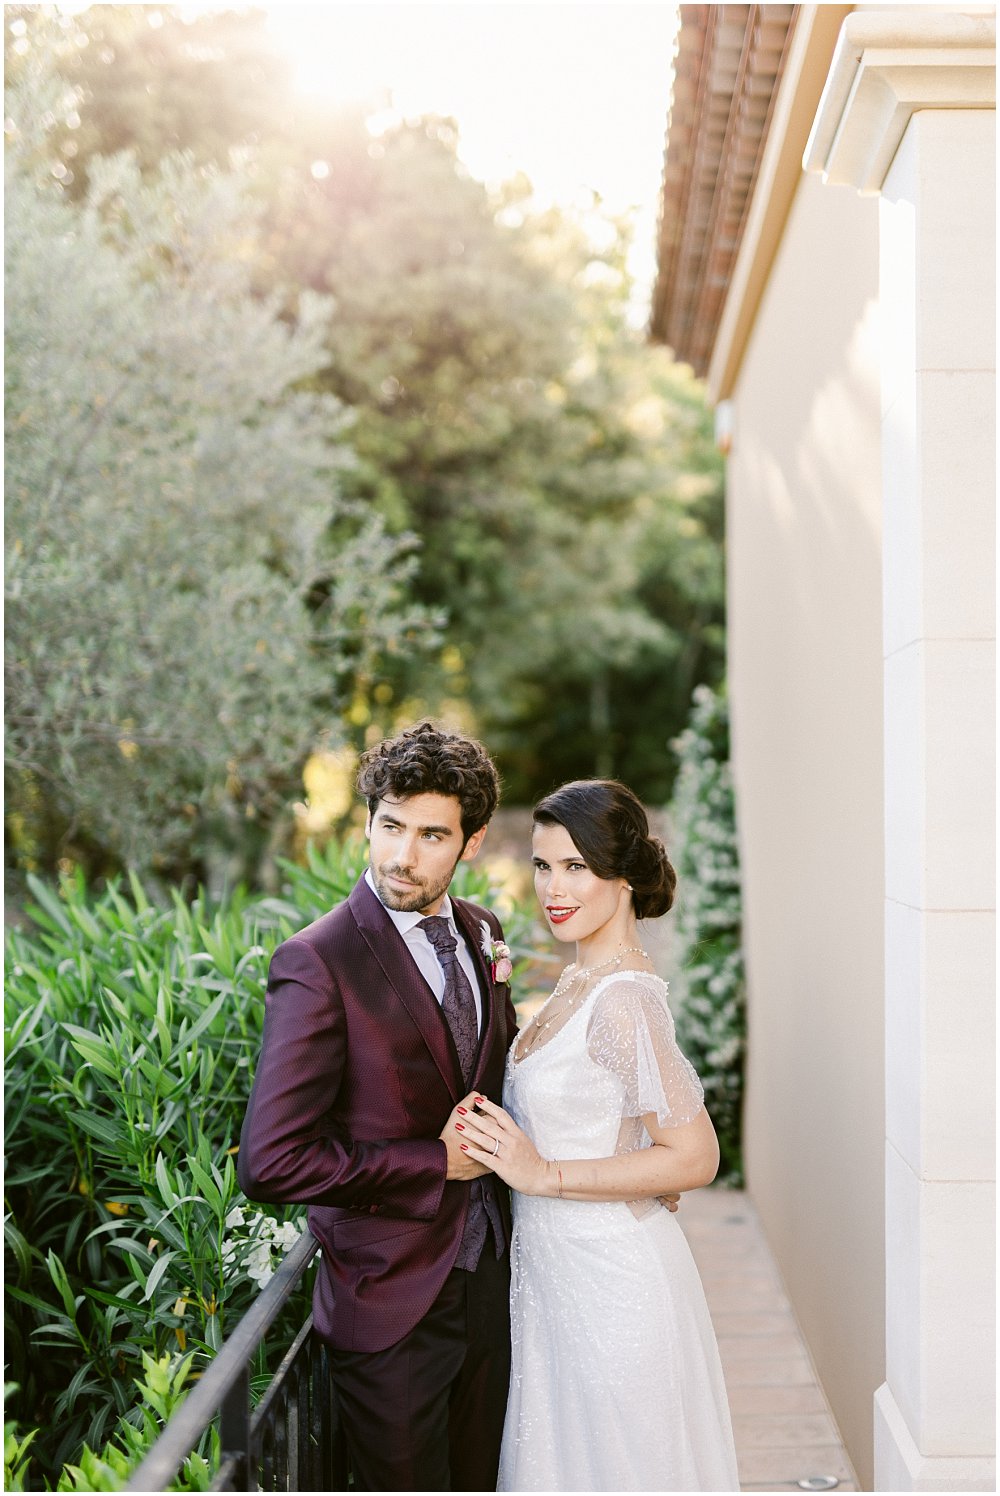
(24,1025)
(187,1036)
(206,1184)
(163,1262)
(113,1300)
(103,1129)
(123,1243)
(138,893)
(49,904)
(93,1049)
(18,1244)
(163,1179)
(32,1300)
(60,1278)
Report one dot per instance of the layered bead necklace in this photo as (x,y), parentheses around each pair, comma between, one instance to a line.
(565,985)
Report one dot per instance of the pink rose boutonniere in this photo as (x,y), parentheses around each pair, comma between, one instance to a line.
(497,954)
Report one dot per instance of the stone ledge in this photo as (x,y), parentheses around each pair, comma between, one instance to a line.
(888,64)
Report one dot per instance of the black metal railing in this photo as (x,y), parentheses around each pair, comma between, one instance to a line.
(292,1441)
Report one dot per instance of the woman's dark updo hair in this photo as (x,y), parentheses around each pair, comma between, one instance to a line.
(611,831)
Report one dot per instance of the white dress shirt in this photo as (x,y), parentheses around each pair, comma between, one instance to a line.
(407,922)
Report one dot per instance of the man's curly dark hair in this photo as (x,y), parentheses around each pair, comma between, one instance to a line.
(423,760)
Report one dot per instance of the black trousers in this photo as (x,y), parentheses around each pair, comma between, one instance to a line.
(427,1414)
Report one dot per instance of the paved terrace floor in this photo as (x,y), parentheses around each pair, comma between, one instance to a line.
(784,1429)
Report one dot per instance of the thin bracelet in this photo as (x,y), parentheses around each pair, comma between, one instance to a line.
(560,1190)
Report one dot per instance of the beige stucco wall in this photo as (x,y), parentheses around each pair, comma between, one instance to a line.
(805,653)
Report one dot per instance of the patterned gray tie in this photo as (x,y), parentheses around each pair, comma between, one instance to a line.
(458,1003)
(459,1006)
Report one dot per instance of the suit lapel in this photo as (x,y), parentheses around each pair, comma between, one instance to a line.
(389,950)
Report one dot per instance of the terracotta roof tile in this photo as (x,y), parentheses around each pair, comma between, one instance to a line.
(729,65)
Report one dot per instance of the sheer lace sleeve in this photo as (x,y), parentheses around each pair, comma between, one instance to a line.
(631,1033)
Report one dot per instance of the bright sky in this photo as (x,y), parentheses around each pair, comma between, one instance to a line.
(575,95)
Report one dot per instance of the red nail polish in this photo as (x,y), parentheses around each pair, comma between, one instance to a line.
(464,1147)
(459,1127)
(461,1111)
(480,1100)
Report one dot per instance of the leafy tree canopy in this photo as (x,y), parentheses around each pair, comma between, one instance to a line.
(181,626)
(559,472)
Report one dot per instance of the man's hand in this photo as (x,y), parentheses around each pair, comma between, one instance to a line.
(460,1166)
(670,1201)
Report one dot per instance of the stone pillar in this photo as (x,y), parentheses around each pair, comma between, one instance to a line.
(907,115)
(935,1413)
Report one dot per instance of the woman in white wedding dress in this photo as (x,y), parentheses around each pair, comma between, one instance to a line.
(616,1382)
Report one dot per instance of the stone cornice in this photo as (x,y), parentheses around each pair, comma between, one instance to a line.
(888,64)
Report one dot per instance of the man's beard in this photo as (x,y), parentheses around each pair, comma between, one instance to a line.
(420,897)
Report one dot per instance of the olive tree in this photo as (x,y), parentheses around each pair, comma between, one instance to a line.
(189,595)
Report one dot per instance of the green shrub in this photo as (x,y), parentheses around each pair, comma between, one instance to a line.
(132,1031)
(16,1451)
(162,1391)
(710,989)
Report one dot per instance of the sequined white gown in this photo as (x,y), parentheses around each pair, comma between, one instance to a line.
(616,1382)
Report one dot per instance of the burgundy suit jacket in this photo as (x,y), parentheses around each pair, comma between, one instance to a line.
(356,1078)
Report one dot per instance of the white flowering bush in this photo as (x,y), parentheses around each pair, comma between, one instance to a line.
(709,987)
(256,1243)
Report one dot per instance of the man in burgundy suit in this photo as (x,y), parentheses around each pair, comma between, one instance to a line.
(383,1022)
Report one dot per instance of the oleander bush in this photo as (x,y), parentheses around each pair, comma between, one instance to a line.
(709,986)
(131,1035)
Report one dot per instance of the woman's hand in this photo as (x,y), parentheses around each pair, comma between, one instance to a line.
(460,1163)
(493,1138)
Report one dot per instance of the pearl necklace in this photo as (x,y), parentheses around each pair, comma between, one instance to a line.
(569,977)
